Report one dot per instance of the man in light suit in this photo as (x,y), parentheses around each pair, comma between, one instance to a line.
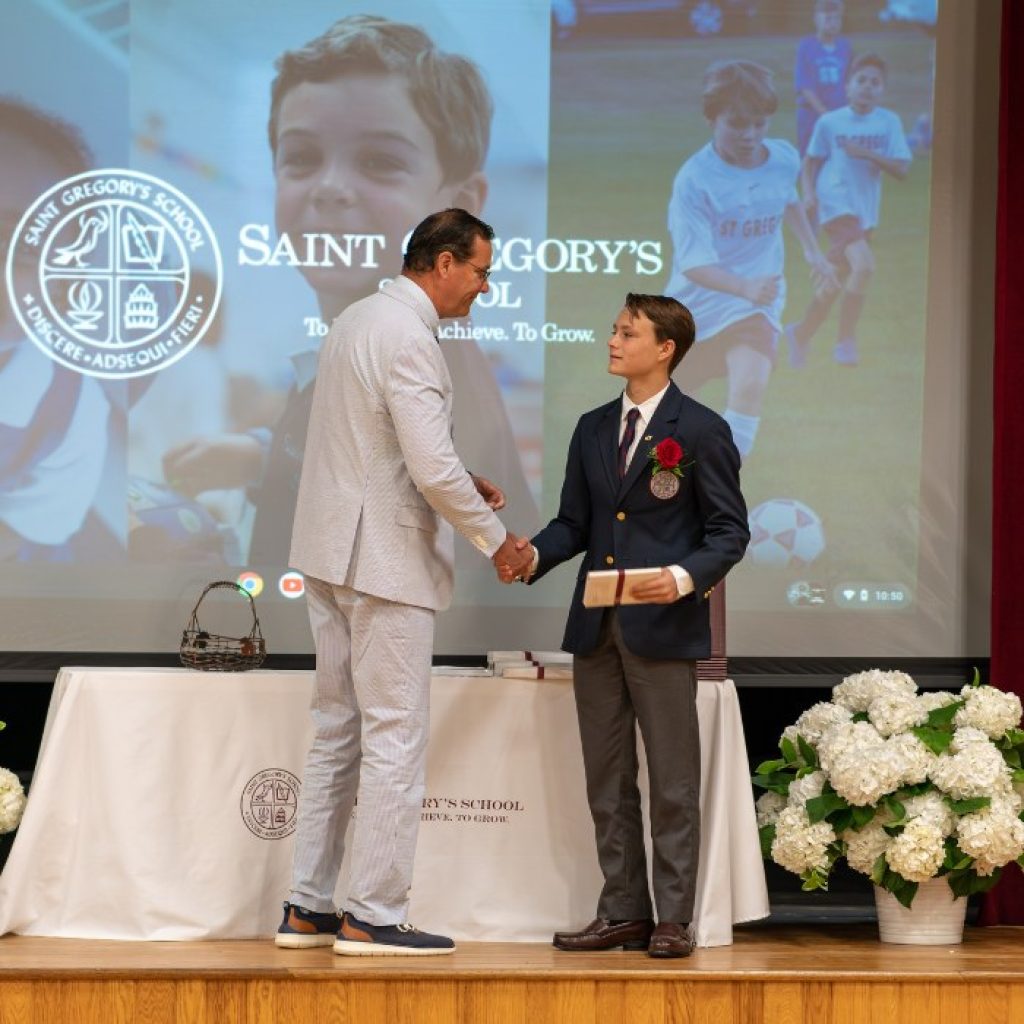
(652,480)
(380,491)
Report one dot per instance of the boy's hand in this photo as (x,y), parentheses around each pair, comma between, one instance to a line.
(823,275)
(661,590)
(204,464)
(762,291)
(856,150)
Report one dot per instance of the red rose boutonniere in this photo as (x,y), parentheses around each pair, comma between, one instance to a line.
(667,466)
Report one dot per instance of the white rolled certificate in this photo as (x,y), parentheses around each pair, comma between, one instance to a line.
(606,587)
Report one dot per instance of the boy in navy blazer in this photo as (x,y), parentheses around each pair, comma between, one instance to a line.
(652,480)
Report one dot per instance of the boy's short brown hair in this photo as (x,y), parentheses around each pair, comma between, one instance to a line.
(671,319)
(448,91)
(868,60)
(740,84)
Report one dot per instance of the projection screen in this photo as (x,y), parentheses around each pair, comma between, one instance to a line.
(175,246)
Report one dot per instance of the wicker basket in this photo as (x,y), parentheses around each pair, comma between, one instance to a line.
(210,652)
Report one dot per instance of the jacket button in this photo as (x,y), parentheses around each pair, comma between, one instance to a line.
(620,516)
(608,560)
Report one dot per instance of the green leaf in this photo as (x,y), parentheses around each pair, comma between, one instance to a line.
(976,678)
(1011,738)
(903,890)
(807,752)
(968,806)
(766,835)
(777,782)
(918,789)
(1018,776)
(862,816)
(938,717)
(936,740)
(815,879)
(788,750)
(895,808)
(1012,758)
(967,881)
(820,807)
(878,869)
(955,859)
(841,820)
(861,716)
(1020,860)
(767,767)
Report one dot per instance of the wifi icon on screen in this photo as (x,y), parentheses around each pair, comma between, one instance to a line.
(849,594)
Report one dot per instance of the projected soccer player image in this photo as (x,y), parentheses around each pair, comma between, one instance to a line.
(832,458)
(61,495)
(849,151)
(372,126)
(728,204)
(819,74)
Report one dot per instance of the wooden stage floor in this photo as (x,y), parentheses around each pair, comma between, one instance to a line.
(772,974)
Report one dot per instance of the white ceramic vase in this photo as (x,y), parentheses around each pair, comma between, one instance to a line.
(935,918)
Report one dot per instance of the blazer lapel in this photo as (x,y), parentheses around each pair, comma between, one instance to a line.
(662,424)
(608,443)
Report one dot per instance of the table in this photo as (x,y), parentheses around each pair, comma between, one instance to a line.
(163,807)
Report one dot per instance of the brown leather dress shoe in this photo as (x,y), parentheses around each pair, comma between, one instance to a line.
(671,940)
(604,934)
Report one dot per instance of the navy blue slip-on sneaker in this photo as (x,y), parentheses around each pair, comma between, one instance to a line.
(302,929)
(357,938)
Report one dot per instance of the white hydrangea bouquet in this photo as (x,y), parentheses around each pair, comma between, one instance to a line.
(907,786)
(12,798)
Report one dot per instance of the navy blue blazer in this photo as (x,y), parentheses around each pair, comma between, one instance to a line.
(622,525)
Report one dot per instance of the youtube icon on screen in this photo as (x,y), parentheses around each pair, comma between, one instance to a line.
(291,584)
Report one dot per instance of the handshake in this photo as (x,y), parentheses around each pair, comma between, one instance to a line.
(514,559)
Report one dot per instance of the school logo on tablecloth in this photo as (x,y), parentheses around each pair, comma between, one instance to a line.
(270,801)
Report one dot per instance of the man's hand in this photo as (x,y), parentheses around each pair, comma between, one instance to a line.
(663,590)
(513,559)
(491,493)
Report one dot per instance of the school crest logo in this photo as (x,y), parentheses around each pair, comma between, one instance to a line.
(114,273)
(269,803)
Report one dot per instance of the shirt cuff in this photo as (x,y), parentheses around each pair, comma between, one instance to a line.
(683,582)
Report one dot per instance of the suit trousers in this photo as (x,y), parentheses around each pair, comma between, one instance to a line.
(371,714)
(616,689)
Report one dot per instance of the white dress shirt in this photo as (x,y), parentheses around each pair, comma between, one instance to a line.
(646,409)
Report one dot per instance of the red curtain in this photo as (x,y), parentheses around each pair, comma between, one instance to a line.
(1005,904)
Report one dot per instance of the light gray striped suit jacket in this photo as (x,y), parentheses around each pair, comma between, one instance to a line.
(381,481)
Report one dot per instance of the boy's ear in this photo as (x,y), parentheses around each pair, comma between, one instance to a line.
(471,194)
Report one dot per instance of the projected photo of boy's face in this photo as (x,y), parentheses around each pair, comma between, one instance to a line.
(354,157)
(865,87)
(738,136)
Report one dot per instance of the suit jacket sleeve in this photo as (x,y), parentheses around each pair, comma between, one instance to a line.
(414,393)
(569,532)
(716,475)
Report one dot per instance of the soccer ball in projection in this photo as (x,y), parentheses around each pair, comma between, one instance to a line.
(785,532)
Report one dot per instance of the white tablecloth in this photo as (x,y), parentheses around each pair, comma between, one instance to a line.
(163,803)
